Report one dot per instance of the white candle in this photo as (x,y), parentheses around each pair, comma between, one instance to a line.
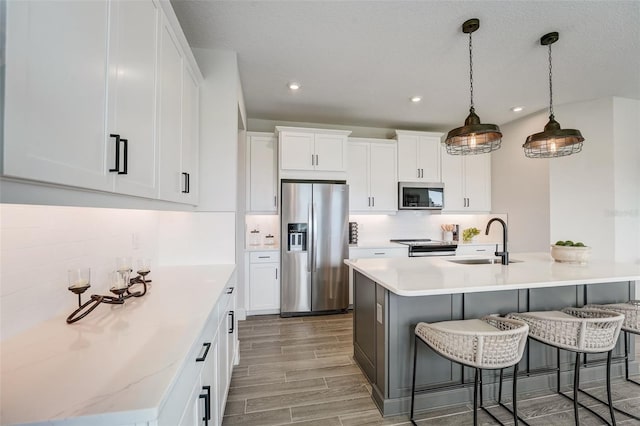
(79,283)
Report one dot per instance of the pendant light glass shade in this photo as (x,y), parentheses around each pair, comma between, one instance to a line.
(474,137)
(553,141)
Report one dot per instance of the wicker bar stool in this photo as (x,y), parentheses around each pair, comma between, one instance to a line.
(579,330)
(631,325)
(486,343)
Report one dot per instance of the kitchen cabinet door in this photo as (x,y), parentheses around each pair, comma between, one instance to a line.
(170,128)
(190,138)
(477,182)
(382,177)
(331,152)
(297,151)
(408,170)
(358,176)
(55,92)
(262,174)
(132,95)
(453,179)
(264,287)
(418,156)
(467,183)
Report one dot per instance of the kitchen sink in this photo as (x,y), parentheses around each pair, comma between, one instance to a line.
(484,261)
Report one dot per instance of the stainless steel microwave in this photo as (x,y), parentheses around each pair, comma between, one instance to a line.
(420,196)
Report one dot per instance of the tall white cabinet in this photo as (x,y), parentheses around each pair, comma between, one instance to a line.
(87,106)
(371,175)
(418,156)
(262,173)
(467,183)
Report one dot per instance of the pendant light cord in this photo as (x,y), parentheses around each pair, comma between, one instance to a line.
(471,69)
(550,85)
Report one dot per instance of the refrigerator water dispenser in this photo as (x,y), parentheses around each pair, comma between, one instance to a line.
(297,240)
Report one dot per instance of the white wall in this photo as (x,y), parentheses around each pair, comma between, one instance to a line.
(626,159)
(258,125)
(582,186)
(219,100)
(40,243)
(374,229)
(520,186)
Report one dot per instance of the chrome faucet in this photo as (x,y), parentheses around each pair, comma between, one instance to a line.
(504,254)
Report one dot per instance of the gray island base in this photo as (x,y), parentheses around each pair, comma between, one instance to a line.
(384,324)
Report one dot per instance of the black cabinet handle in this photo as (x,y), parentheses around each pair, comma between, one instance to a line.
(207,404)
(117,163)
(126,157)
(233,321)
(230,290)
(186,183)
(207,346)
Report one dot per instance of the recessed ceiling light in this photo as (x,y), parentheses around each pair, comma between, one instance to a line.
(294,86)
(517,109)
(416,99)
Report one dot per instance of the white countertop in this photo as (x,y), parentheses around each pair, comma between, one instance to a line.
(426,276)
(117,363)
(377,245)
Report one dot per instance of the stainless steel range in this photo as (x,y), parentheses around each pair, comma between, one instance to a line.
(428,247)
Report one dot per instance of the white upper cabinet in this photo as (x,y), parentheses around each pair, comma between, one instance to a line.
(467,183)
(261,173)
(418,156)
(82,108)
(55,93)
(132,97)
(320,151)
(371,175)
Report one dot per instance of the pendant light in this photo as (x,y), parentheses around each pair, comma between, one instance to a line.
(553,141)
(473,137)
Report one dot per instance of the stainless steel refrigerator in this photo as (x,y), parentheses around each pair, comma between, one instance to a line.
(314,243)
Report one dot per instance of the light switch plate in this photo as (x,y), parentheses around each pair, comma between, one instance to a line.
(379,312)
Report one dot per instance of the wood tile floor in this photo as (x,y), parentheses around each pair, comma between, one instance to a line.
(301,371)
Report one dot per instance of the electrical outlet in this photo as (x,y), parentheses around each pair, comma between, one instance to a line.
(379,313)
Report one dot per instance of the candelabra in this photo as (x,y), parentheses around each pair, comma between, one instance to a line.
(123,289)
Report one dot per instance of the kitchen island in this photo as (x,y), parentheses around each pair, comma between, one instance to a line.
(392,295)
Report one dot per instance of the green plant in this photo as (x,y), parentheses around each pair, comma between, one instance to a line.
(469,233)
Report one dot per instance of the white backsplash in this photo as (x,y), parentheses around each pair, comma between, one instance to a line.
(416,224)
(38,244)
(266,224)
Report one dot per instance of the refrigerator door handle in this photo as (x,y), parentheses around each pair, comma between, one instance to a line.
(313,235)
(309,237)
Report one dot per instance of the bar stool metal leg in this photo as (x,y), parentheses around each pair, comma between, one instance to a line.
(613,417)
(413,382)
(576,384)
(475,399)
(514,398)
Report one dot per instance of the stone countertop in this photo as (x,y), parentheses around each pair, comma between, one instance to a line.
(118,364)
(426,276)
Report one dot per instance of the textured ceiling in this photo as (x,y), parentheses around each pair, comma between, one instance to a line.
(359,62)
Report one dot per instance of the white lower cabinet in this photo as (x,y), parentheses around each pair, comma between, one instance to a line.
(363,253)
(478,249)
(264,283)
(200,392)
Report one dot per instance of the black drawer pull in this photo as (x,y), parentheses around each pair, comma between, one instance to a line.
(207,346)
(264,257)
(207,404)
(185,188)
(117,162)
(125,158)
(233,321)
(379,253)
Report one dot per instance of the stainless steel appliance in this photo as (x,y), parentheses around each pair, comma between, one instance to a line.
(314,233)
(428,247)
(420,196)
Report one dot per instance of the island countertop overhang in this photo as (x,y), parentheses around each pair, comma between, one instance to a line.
(426,276)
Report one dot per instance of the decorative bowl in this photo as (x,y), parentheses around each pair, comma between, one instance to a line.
(568,254)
